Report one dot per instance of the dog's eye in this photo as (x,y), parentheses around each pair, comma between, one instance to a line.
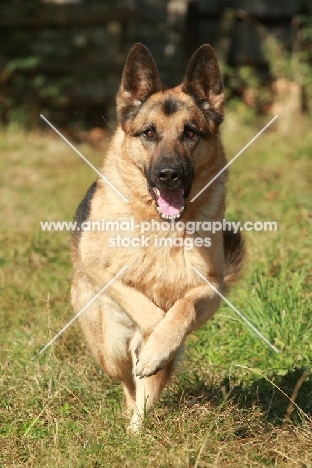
(189,132)
(149,133)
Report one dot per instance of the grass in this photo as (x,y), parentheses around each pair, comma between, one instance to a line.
(227,403)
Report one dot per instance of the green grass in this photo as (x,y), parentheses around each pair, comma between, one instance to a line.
(226,404)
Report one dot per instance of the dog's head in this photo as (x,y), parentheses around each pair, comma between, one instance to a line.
(170,132)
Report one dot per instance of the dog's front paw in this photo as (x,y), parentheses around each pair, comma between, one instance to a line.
(153,358)
(149,364)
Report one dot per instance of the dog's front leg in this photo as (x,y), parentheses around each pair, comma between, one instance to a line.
(144,313)
(187,314)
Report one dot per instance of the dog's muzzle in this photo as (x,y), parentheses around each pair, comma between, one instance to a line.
(169,189)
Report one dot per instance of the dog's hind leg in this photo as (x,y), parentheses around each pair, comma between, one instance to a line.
(147,392)
(129,391)
(147,389)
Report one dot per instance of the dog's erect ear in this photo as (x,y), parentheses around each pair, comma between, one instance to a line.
(203,82)
(140,79)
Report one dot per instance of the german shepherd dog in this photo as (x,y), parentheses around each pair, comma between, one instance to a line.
(165,149)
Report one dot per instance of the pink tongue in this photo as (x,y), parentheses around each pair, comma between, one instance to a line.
(171,201)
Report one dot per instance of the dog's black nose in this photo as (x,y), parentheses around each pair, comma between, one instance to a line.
(169,176)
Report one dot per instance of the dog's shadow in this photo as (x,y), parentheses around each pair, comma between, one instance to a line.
(274,401)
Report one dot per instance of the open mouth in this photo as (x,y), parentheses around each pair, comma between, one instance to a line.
(170,203)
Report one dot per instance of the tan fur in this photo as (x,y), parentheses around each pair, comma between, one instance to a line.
(138,325)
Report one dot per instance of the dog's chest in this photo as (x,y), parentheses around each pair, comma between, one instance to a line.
(166,277)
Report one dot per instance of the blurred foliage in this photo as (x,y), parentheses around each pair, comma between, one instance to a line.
(244,85)
(43,70)
(296,64)
(247,87)
(23,86)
